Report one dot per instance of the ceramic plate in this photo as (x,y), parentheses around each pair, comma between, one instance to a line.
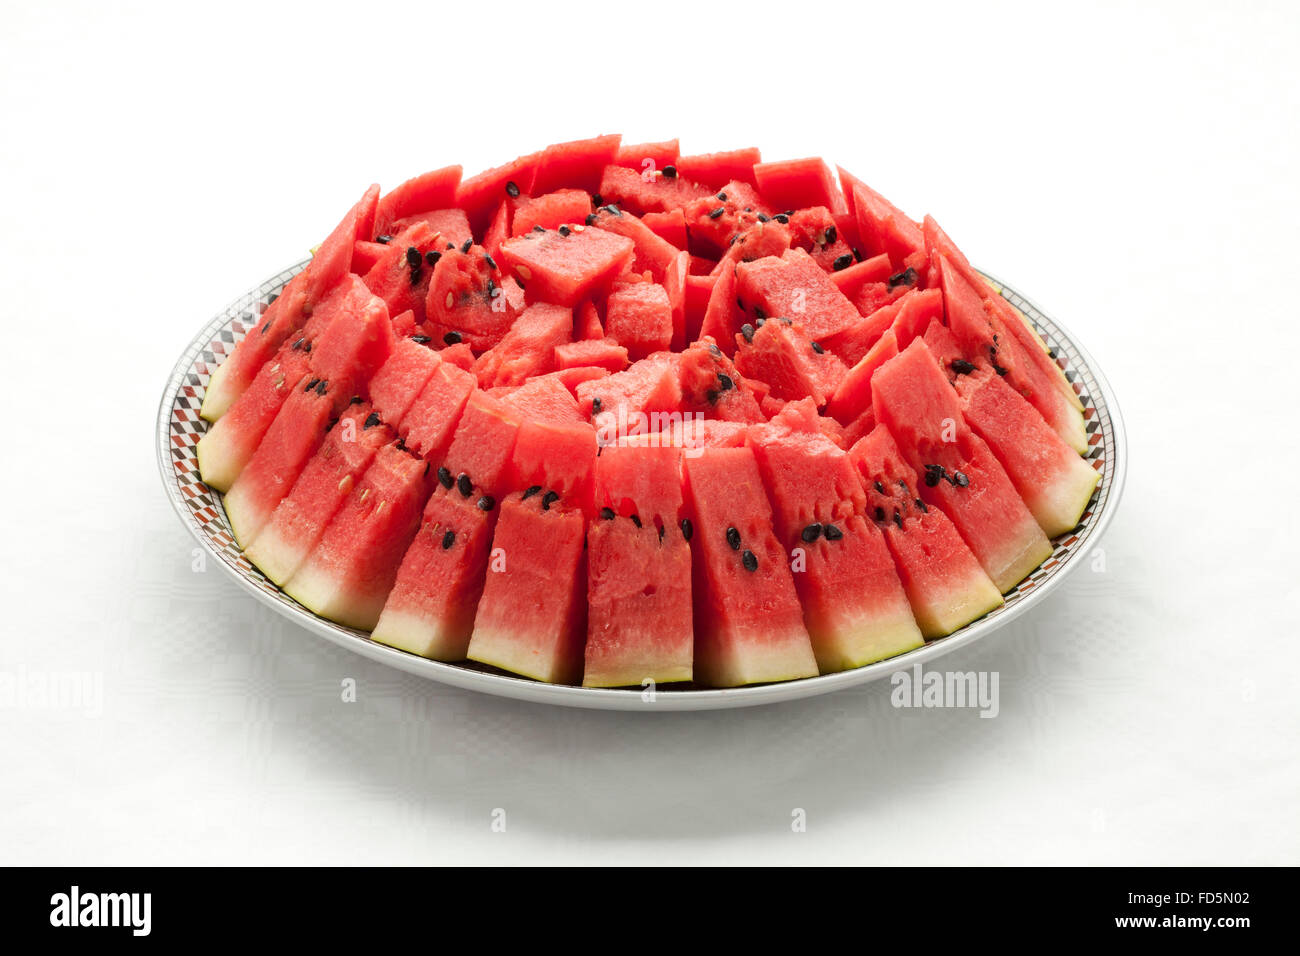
(200,509)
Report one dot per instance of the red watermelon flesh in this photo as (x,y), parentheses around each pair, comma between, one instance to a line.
(480,195)
(852,397)
(634,192)
(528,349)
(983,336)
(300,519)
(426,192)
(748,623)
(798,183)
(468,301)
(550,211)
(558,458)
(230,442)
(882,226)
(795,287)
(482,444)
(586,322)
(712,386)
(669,226)
(400,379)
(365,254)
(716,169)
(639,316)
(576,165)
(290,310)
(650,252)
(498,230)
(908,315)
(531,619)
(293,437)
(714,222)
(912,397)
(946,351)
(675,285)
(1055,483)
(650,385)
(401,276)
(430,610)
(944,581)
(429,425)
(699,290)
(851,279)
(779,353)
(352,346)
(546,398)
(565,269)
(591,353)
(459,355)
(723,316)
(349,573)
(448,225)
(854,606)
(770,238)
(660,154)
(571,378)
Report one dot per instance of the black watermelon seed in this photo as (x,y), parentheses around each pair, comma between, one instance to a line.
(781,218)
(857,254)
(906,277)
(383,240)
(934,474)
(416,275)
(961,366)
(595,405)
(464,485)
(448,539)
(747,331)
(816,346)
(539,228)
(530,491)
(749,561)
(445,479)
(833,533)
(762,217)
(842,262)
(298,344)
(607,514)
(831,235)
(760,314)
(512,189)
(722,196)
(715,351)
(879,487)
(921,504)
(725,383)
(999,369)
(486,503)
(902,484)
(490,288)
(451,338)
(312,384)
(688,529)
(959,479)
(413,257)
(758,323)
(565,230)
(613,210)
(733,539)
(420,339)
(596,199)
(670,172)
(717,212)
(549,499)
(466,245)
(591,219)
(811,533)
(898,519)
(487,257)
(712,396)
(661,532)
(356,400)
(880,514)
(371,421)
(450,246)
(636,520)
(322,387)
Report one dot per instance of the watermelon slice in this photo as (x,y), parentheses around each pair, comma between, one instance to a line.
(638,193)
(715,169)
(424,193)
(347,576)
(528,349)
(854,606)
(749,626)
(659,154)
(300,519)
(640,317)
(779,353)
(531,619)
(944,581)
(639,625)
(566,207)
(564,269)
(577,164)
(912,397)
(795,287)
(798,183)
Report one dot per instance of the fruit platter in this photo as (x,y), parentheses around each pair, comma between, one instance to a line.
(618,426)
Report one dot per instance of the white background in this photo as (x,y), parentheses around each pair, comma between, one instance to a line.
(1132,168)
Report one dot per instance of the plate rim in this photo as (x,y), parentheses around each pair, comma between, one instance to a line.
(624,699)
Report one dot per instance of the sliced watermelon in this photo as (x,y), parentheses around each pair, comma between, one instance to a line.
(401,275)
(564,269)
(528,349)
(480,195)
(944,581)
(669,226)
(531,619)
(713,170)
(650,251)
(448,225)
(430,423)
(396,384)
(854,606)
(639,316)
(659,154)
(424,193)
(577,165)
(1053,480)
(795,287)
(712,386)
(797,183)
(637,193)
(469,301)
(749,626)
(589,353)
(347,576)
(550,211)
(781,354)
(912,397)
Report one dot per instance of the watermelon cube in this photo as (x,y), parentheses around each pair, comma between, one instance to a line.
(565,269)
(639,316)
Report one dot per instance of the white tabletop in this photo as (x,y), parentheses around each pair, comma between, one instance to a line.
(1135,173)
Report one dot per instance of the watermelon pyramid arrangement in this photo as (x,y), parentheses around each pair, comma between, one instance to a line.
(610,414)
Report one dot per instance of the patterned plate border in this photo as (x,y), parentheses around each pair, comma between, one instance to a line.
(201,511)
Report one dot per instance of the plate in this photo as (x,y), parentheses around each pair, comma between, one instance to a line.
(201,511)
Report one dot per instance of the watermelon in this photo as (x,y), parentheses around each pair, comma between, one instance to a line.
(639,610)
(749,624)
(945,584)
(614,415)
(913,398)
(854,606)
